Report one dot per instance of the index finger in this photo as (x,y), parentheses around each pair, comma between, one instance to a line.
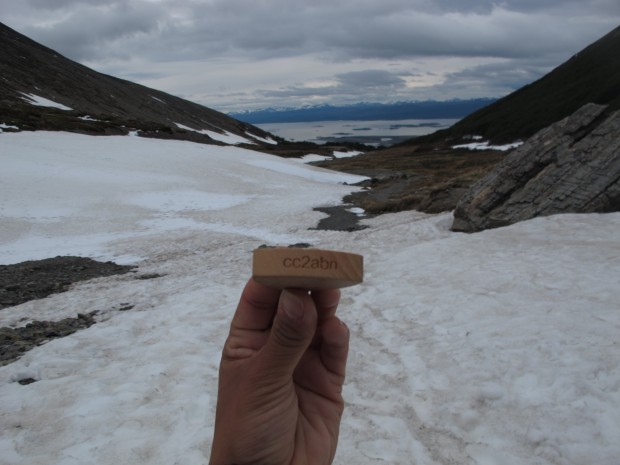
(257,307)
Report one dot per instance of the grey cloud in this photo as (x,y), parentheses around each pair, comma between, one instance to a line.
(372,78)
(87,30)
(526,37)
(490,80)
(528,6)
(501,34)
(298,92)
(338,30)
(369,85)
(53,5)
(487,80)
(566,6)
(94,33)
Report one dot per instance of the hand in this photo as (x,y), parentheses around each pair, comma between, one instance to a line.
(281,376)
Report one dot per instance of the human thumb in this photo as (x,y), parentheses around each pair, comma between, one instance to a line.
(291,333)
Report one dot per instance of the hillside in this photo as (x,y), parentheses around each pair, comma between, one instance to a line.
(427,174)
(41,89)
(590,76)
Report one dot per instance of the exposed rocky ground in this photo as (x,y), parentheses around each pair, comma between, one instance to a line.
(14,342)
(22,282)
(421,178)
(37,279)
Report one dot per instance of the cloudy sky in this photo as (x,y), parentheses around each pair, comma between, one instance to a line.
(248,54)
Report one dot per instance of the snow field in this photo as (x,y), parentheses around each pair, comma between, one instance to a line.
(497,347)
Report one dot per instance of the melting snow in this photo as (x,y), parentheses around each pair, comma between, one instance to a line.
(496,347)
(485,146)
(43,102)
(351,153)
(226,137)
(7,126)
(266,140)
(159,100)
(313,157)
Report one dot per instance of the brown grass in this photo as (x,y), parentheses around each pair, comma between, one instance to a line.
(415,178)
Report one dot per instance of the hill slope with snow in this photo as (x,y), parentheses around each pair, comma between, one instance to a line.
(41,89)
(497,347)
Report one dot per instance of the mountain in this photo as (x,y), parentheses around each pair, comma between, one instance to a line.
(590,76)
(450,109)
(428,174)
(41,89)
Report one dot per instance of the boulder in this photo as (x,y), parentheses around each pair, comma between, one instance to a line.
(572,166)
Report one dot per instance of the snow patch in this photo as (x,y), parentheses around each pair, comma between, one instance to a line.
(7,126)
(351,153)
(311,157)
(266,140)
(159,100)
(485,146)
(43,102)
(357,211)
(226,137)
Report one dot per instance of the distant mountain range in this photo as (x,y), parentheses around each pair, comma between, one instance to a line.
(590,76)
(450,109)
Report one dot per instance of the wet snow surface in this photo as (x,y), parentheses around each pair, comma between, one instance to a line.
(498,347)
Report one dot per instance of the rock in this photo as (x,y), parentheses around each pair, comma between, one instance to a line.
(22,282)
(572,166)
(26,381)
(14,342)
(38,279)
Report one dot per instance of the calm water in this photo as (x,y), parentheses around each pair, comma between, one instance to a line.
(369,132)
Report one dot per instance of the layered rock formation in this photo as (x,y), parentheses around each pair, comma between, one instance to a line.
(572,166)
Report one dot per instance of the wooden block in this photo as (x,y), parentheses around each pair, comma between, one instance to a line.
(287,267)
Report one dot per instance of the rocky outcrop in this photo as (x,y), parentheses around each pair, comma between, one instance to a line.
(572,166)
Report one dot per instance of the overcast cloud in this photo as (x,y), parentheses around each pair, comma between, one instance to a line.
(246,54)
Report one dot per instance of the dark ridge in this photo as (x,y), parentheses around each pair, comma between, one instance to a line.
(590,76)
(100,104)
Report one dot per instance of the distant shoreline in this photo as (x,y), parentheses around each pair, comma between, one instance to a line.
(375,133)
(376,141)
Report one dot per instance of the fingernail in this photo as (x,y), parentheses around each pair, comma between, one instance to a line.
(292,305)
